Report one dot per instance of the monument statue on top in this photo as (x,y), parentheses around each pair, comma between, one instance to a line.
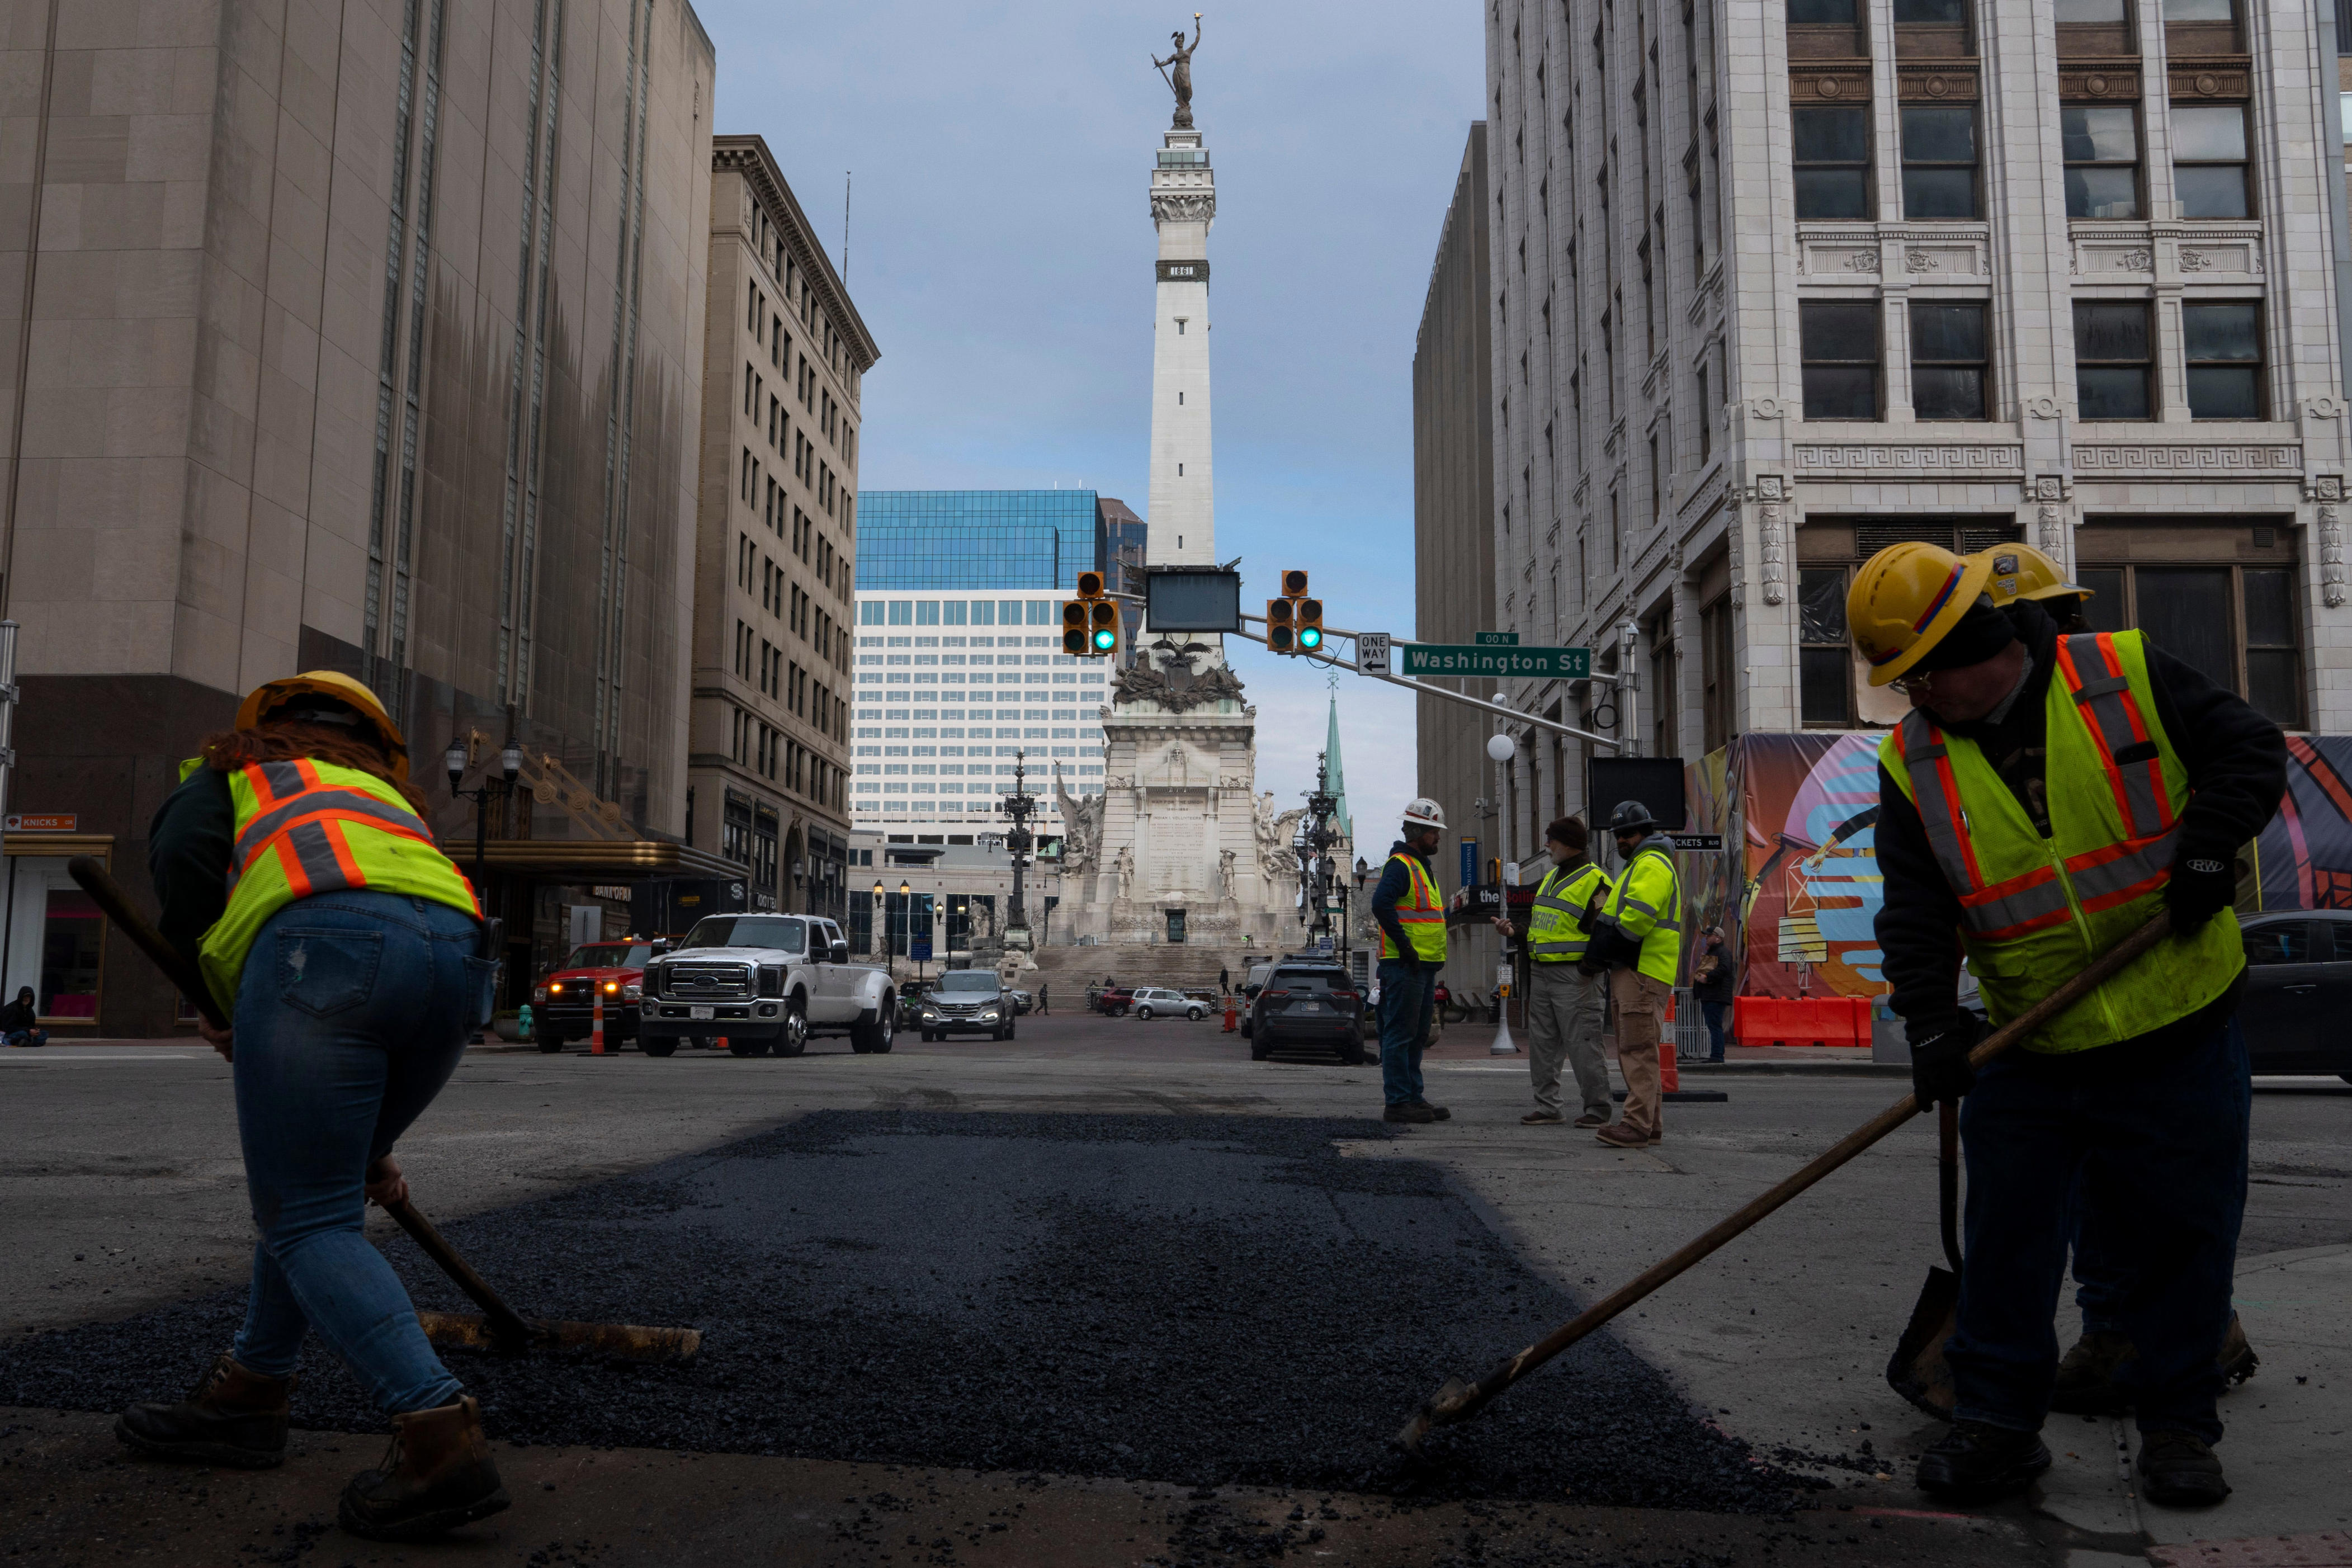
(1182,83)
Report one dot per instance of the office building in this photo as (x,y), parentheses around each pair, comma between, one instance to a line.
(1126,540)
(1452,526)
(361,336)
(1773,288)
(960,668)
(786,358)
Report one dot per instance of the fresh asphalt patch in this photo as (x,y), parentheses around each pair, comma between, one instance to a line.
(1202,1300)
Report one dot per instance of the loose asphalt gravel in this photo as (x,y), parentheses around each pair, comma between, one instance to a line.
(1201,1300)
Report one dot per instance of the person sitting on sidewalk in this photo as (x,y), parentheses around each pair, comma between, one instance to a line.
(19,1022)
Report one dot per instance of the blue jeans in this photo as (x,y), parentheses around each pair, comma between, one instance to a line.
(2161,1159)
(354,1011)
(1407,992)
(28,1036)
(1715,1012)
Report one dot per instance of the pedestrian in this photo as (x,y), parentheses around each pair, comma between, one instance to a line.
(1638,941)
(350,951)
(1439,1000)
(1565,1004)
(2046,796)
(1045,1000)
(20,1021)
(1412,918)
(1711,986)
(1225,980)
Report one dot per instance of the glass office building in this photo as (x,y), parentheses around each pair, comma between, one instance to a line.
(977,539)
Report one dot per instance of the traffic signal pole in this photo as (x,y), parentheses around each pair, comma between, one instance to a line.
(1322,656)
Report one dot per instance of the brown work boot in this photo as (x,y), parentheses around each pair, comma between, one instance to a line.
(233,1416)
(1619,1136)
(1540,1117)
(1592,1118)
(1408,1112)
(2238,1358)
(2086,1382)
(436,1476)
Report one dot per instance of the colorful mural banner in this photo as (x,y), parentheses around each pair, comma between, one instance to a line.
(1798,813)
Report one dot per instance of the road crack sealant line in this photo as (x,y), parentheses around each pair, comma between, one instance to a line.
(1203,1300)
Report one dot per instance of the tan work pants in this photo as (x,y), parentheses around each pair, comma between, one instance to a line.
(1641,1022)
(1564,1020)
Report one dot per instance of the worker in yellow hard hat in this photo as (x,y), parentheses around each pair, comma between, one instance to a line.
(296,868)
(2048,794)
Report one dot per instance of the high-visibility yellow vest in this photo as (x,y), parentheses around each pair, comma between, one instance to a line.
(2035,910)
(304,827)
(1556,932)
(1646,907)
(1421,913)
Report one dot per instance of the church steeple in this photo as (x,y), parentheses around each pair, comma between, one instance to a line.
(1338,776)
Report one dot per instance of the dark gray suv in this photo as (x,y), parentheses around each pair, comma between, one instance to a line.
(966,1002)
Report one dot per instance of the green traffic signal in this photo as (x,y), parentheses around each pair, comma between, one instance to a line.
(1105,639)
(1310,637)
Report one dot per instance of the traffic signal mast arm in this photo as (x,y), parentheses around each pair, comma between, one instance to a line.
(1322,656)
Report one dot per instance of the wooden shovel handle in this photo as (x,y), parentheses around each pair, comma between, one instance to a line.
(506,1323)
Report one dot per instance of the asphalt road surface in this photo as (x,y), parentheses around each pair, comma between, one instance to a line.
(1117,1290)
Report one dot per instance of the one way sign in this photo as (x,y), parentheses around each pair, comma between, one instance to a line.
(1372,653)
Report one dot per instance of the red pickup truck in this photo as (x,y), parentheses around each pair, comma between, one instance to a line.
(563,1005)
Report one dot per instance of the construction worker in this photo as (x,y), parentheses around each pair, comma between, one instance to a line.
(1412,918)
(2084,1383)
(296,868)
(1637,938)
(1565,1004)
(2046,796)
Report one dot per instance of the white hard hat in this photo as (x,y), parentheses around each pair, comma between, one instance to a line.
(1424,813)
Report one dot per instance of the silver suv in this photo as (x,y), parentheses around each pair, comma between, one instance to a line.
(1153,1001)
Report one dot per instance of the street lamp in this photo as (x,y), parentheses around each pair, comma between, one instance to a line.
(509,767)
(881,922)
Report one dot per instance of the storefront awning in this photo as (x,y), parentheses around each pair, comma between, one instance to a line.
(614,860)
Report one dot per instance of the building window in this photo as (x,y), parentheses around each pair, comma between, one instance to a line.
(1832,161)
(2209,160)
(2234,624)
(1719,674)
(1824,681)
(2112,361)
(1705,419)
(1948,361)
(1939,161)
(2223,346)
(2101,152)
(1841,359)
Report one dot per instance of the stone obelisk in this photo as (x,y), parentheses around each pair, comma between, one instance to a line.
(1183,507)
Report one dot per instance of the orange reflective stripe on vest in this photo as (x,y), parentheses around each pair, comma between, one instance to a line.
(301,819)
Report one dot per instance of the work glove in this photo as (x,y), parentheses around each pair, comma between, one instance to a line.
(1939,1058)
(2203,884)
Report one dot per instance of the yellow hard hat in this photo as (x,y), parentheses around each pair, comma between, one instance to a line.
(1906,600)
(273,694)
(2022,572)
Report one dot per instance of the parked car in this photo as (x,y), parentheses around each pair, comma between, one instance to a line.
(1309,1003)
(2298,992)
(562,1005)
(1113,1000)
(1252,983)
(966,1002)
(1022,1001)
(1158,1002)
(765,982)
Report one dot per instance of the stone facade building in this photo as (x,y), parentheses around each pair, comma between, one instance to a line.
(1453,533)
(367,337)
(776,551)
(1774,286)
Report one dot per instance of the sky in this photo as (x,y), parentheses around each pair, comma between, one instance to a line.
(1000,249)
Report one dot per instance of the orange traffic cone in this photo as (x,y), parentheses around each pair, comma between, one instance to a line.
(1670,1077)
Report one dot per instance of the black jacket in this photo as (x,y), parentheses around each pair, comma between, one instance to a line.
(188,848)
(2237,773)
(18,1015)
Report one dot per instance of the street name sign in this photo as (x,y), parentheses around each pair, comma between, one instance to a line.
(1499,639)
(1372,653)
(1497,662)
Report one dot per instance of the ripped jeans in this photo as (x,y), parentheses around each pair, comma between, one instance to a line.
(353,1012)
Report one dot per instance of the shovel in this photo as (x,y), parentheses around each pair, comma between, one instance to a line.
(1918,1370)
(1460,1400)
(499,1326)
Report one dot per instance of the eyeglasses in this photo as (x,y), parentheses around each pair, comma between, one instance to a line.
(1918,685)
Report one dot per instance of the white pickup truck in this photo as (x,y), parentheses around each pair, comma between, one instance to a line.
(765,983)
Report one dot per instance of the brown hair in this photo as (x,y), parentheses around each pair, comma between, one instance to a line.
(1568,831)
(279,741)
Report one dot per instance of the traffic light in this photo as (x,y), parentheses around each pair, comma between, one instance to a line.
(1294,584)
(1281,627)
(1103,627)
(1310,615)
(1090,622)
